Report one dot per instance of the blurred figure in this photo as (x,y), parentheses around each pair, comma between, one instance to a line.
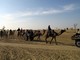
(78,31)
(18,29)
(49,30)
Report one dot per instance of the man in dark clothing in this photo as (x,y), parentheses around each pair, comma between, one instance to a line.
(18,29)
(49,30)
(78,32)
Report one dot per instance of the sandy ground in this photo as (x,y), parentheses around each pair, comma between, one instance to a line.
(14,51)
(45,46)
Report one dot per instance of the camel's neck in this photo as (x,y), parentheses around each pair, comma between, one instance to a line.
(61,32)
(55,33)
(43,32)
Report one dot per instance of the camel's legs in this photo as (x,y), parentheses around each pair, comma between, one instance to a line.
(27,38)
(38,38)
(51,40)
(55,40)
(46,40)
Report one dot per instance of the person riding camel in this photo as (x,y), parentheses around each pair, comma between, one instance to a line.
(78,32)
(49,30)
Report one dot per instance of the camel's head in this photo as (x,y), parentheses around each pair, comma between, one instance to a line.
(62,31)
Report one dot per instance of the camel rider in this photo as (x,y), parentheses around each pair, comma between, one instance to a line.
(49,30)
(18,29)
(78,31)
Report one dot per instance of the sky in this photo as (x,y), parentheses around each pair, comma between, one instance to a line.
(38,14)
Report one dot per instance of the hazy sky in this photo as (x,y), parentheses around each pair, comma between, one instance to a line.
(38,14)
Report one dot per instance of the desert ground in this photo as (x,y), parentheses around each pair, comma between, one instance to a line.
(19,49)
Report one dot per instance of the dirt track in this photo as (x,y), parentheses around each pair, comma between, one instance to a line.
(18,51)
(45,46)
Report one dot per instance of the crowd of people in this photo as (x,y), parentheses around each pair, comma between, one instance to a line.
(30,34)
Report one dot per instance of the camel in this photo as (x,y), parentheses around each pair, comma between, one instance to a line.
(3,33)
(11,33)
(38,34)
(31,35)
(53,35)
